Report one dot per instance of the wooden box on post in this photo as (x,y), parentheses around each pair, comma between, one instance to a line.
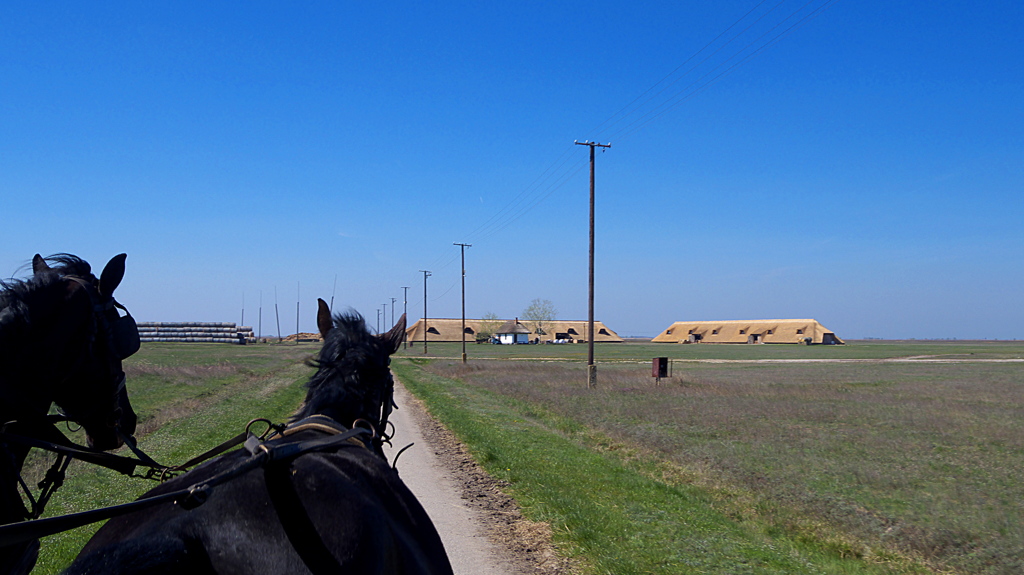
(659,368)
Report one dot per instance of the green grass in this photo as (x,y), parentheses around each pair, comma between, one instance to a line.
(725,468)
(633,352)
(875,459)
(189,408)
(613,508)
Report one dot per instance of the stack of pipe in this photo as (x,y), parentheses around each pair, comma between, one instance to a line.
(195,331)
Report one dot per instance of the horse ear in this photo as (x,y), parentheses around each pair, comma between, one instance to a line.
(112,275)
(396,336)
(39,265)
(323,318)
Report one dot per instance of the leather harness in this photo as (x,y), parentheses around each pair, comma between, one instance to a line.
(272,446)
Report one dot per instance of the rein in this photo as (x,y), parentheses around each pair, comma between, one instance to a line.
(122,340)
(48,437)
(262,451)
(68,450)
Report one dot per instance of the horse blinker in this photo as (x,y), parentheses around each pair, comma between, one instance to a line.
(124,337)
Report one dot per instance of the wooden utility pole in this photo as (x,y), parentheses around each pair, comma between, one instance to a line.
(334,289)
(591,368)
(405,308)
(426,274)
(277,315)
(463,248)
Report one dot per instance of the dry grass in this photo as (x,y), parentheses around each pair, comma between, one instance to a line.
(917,459)
(181,374)
(189,398)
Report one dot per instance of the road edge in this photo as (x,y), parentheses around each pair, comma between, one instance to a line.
(527,544)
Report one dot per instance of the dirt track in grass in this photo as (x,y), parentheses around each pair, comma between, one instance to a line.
(520,546)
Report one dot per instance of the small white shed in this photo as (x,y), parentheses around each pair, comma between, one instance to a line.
(512,332)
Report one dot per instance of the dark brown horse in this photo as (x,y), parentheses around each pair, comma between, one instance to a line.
(61,341)
(315,502)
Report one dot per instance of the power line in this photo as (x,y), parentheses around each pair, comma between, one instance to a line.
(555,186)
(523,195)
(556,174)
(699,85)
(450,288)
(652,104)
(670,74)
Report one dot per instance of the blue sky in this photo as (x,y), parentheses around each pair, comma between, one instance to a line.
(863,168)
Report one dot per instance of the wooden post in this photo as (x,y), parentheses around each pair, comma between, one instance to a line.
(591,367)
(426,274)
(463,246)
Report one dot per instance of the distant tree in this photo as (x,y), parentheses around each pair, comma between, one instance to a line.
(539,313)
(489,324)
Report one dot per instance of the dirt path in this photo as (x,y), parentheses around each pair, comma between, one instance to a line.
(482,528)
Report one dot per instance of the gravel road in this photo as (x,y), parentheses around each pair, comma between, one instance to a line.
(481,527)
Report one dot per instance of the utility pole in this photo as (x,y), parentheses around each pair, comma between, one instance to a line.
(591,368)
(334,289)
(426,274)
(277,315)
(463,249)
(393,311)
(405,308)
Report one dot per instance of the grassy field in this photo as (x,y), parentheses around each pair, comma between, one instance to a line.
(735,467)
(896,464)
(643,352)
(189,397)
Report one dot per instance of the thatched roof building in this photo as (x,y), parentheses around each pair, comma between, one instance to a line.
(513,332)
(513,326)
(749,331)
(446,329)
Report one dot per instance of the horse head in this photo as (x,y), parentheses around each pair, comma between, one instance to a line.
(353,382)
(89,340)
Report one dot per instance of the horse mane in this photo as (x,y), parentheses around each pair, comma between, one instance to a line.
(69,265)
(15,295)
(337,388)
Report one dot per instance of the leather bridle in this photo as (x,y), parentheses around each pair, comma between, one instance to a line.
(272,446)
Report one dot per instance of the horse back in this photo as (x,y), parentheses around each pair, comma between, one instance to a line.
(339,511)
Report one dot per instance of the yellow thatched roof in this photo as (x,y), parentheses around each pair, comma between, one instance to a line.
(445,329)
(512,326)
(748,331)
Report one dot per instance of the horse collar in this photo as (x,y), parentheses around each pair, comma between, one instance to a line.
(325,424)
(317,422)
